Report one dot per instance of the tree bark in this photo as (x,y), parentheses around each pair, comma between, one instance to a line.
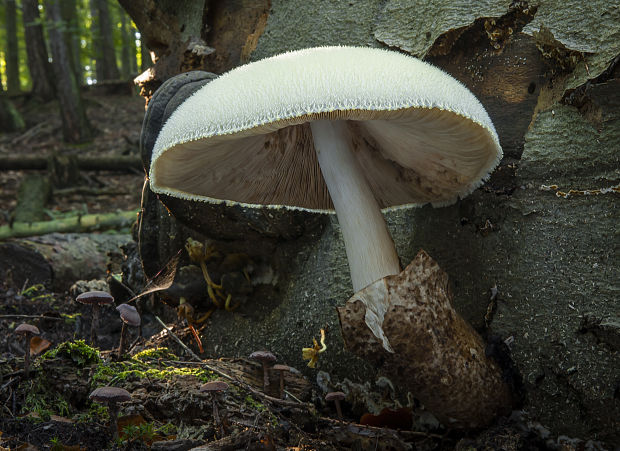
(36,50)
(75,125)
(128,50)
(68,10)
(174,31)
(12,55)
(95,39)
(145,55)
(107,69)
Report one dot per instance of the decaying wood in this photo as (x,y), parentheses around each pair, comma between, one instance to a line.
(115,163)
(86,223)
(57,260)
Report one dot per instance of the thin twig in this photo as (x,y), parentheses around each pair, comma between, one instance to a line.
(247,386)
(178,340)
(53,318)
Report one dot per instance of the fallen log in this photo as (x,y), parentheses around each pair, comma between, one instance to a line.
(85,223)
(57,260)
(116,163)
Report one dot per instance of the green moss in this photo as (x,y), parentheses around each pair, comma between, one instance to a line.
(155,354)
(107,374)
(254,404)
(78,351)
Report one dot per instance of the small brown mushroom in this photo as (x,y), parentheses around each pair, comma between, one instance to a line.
(111,396)
(95,299)
(26,331)
(336,396)
(213,388)
(131,317)
(265,358)
(281,369)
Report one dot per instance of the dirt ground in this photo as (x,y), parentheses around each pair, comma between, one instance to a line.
(163,368)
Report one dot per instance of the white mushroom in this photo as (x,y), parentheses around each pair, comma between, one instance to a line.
(351,130)
(389,130)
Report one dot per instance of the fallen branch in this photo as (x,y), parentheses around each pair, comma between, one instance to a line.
(114,163)
(85,223)
(53,318)
(178,340)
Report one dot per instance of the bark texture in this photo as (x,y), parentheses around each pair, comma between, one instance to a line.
(40,68)
(75,125)
(12,54)
(68,11)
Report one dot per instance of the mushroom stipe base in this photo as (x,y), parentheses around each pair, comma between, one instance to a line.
(438,356)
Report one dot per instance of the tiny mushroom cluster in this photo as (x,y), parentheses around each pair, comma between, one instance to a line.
(265,358)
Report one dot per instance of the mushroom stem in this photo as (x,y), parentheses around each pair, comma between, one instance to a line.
(113,409)
(121,344)
(27,356)
(370,249)
(93,324)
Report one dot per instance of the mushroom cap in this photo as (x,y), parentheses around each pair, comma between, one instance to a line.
(418,134)
(24,329)
(129,314)
(335,396)
(214,386)
(280,367)
(95,297)
(110,395)
(263,356)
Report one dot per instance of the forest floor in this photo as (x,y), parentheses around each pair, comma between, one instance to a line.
(51,408)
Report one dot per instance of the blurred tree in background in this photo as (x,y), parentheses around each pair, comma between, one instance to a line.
(87,42)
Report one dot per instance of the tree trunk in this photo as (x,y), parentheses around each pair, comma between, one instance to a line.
(175,32)
(132,35)
(68,10)
(145,55)
(36,50)
(95,38)
(12,56)
(107,69)
(75,125)
(128,50)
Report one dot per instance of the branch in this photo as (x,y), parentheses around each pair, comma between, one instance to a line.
(84,223)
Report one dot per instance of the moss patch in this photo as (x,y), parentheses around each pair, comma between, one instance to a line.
(78,351)
(132,370)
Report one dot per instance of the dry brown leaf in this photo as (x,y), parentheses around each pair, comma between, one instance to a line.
(60,419)
(38,345)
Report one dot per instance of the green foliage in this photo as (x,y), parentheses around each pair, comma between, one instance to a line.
(78,351)
(70,318)
(43,402)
